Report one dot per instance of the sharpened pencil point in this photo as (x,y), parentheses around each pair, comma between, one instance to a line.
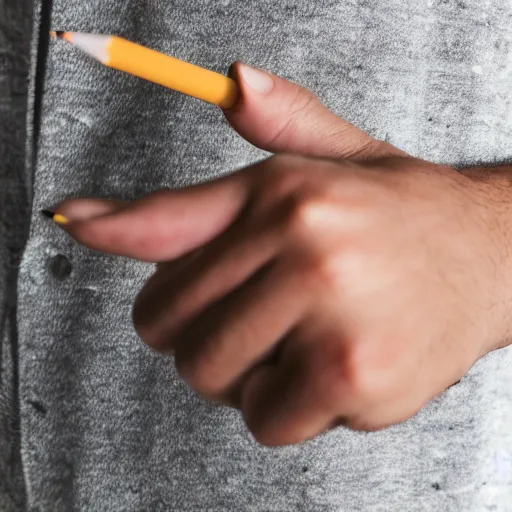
(56,217)
(60,34)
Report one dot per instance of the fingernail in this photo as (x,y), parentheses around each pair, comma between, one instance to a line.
(256,79)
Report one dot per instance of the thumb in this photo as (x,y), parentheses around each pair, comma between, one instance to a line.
(160,227)
(282,117)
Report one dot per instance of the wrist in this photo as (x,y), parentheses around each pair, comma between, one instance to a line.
(492,199)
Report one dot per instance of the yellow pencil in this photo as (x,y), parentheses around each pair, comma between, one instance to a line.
(156,67)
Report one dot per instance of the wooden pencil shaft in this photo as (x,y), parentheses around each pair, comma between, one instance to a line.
(172,73)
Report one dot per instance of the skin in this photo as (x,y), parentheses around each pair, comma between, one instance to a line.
(340,282)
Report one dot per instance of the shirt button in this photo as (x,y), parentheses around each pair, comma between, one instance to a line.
(60,267)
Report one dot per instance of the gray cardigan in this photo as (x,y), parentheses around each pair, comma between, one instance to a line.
(90,419)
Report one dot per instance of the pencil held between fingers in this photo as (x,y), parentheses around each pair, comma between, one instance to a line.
(198,214)
(261,116)
(311,301)
(123,55)
(272,113)
(276,115)
(83,209)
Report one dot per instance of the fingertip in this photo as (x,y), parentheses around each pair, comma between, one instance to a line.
(86,232)
(249,115)
(106,234)
(257,80)
(251,81)
(82,209)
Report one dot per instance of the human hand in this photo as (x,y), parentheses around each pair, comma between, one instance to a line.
(346,286)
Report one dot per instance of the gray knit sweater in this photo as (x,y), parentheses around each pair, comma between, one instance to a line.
(90,419)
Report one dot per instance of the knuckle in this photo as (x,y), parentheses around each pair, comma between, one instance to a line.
(302,215)
(360,379)
(324,369)
(325,270)
(281,176)
(348,379)
(332,388)
(277,179)
(281,170)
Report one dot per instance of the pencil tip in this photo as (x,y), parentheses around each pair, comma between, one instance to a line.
(59,34)
(56,217)
(47,213)
(60,219)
